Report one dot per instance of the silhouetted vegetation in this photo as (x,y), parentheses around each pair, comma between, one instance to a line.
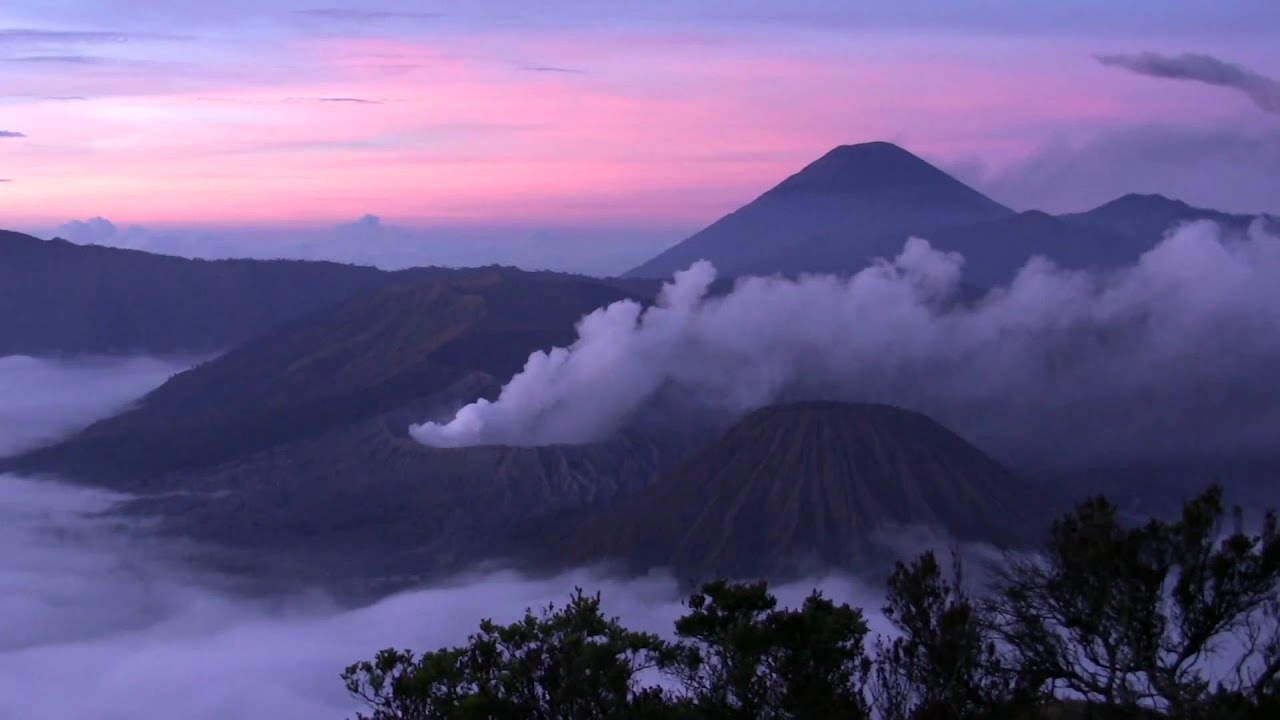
(1166,619)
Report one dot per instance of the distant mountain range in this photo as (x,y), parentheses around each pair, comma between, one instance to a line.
(294,443)
(415,345)
(859,202)
(61,298)
(855,203)
(66,299)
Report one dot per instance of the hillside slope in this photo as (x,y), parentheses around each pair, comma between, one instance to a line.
(426,345)
(61,298)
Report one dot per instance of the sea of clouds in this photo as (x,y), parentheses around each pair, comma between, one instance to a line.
(99,619)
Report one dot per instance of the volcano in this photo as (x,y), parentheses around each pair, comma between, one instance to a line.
(856,201)
(795,486)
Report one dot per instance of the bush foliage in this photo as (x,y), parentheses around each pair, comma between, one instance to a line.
(1167,619)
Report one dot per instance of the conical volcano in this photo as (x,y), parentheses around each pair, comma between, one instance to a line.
(854,202)
(791,486)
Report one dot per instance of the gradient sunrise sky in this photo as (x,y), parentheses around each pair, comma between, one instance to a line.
(278,112)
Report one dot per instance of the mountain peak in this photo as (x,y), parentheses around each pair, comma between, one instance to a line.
(1150,215)
(1147,201)
(862,167)
(832,216)
(875,148)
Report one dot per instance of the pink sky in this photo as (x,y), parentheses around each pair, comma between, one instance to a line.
(651,126)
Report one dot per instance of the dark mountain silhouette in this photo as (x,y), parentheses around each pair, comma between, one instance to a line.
(860,202)
(1110,236)
(845,203)
(413,345)
(995,251)
(62,298)
(1145,219)
(818,483)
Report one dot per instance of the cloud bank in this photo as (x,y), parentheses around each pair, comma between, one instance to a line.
(1264,91)
(144,637)
(1171,358)
(42,400)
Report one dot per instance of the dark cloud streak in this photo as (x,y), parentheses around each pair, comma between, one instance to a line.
(61,60)
(44,97)
(11,134)
(359,15)
(552,69)
(33,35)
(1196,67)
(351,100)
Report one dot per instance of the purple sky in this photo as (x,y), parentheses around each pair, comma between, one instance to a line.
(656,117)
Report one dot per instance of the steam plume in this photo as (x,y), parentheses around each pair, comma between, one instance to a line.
(1163,359)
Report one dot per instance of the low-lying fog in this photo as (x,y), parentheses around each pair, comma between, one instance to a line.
(97,620)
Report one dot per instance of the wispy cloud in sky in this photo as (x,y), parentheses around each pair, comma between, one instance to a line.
(352,100)
(552,69)
(61,59)
(11,134)
(1264,91)
(9,36)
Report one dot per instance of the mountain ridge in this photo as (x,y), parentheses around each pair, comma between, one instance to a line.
(91,299)
(381,350)
(861,202)
(1141,217)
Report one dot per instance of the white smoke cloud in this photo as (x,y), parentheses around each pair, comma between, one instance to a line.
(569,395)
(1174,355)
